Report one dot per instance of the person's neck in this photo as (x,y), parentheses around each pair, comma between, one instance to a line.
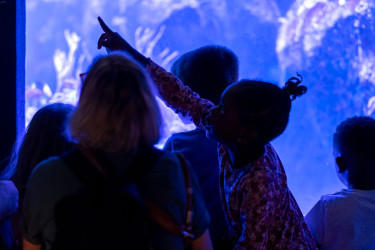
(240,157)
(362,185)
(362,180)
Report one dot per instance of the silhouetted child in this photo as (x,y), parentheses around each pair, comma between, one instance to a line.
(346,219)
(208,71)
(259,206)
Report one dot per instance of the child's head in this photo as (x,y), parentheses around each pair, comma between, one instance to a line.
(354,150)
(253,112)
(45,136)
(207,71)
(117,111)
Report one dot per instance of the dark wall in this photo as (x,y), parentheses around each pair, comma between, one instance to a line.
(12,74)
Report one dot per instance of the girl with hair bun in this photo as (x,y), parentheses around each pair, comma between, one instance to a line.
(260,209)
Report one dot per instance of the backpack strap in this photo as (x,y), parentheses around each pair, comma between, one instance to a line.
(82,168)
(187,232)
(143,163)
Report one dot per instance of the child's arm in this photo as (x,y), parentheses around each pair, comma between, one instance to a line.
(112,41)
(177,96)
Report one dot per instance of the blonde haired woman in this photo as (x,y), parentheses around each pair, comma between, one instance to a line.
(116,119)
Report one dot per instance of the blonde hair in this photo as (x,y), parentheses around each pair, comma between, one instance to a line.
(117,111)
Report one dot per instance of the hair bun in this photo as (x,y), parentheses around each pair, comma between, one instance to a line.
(292,89)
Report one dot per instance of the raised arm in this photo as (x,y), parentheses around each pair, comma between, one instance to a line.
(179,97)
(112,41)
(176,96)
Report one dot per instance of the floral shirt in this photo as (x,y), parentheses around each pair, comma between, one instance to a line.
(261,210)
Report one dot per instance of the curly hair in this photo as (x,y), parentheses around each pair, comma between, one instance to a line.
(356,136)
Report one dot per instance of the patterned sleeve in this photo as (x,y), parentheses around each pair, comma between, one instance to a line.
(179,97)
(257,212)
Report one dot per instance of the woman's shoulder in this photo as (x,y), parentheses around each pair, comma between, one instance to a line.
(168,173)
(169,158)
(48,166)
(52,172)
(167,164)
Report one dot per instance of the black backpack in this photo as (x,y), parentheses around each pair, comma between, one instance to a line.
(108,213)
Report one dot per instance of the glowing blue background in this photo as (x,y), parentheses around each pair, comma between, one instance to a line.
(330,43)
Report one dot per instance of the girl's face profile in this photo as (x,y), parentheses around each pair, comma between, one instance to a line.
(223,121)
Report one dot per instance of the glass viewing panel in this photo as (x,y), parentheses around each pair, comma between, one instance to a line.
(329,42)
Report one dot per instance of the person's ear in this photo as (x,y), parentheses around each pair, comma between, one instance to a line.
(341,164)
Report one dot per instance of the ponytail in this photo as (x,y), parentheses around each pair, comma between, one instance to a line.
(292,89)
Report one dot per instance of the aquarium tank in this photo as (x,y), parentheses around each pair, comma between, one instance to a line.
(330,43)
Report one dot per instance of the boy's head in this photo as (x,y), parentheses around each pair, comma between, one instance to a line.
(354,150)
(207,71)
(253,112)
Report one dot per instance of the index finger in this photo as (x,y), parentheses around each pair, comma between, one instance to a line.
(104,26)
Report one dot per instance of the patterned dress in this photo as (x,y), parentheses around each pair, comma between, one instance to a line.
(261,210)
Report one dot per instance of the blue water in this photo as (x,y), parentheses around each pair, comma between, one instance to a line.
(330,43)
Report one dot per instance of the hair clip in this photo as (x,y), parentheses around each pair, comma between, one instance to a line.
(82,76)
